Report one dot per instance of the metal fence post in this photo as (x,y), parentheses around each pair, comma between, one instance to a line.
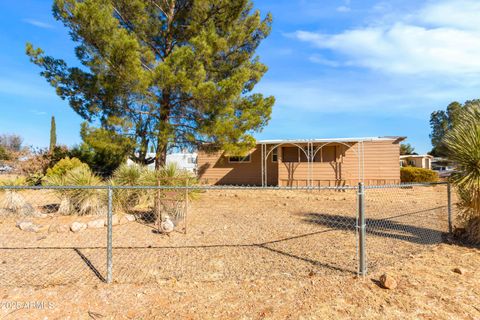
(109,235)
(362,263)
(449,200)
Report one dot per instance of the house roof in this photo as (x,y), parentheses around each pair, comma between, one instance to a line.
(416,156)
(331,140)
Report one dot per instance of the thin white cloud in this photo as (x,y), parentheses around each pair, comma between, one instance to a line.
(422,42)
(317,58)
(38,23)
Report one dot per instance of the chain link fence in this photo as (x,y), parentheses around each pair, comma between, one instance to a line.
(60,235)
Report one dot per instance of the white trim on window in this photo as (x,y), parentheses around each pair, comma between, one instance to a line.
(275,155)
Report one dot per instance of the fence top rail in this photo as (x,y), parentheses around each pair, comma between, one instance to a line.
(219,187)
(192,187)
(404,185)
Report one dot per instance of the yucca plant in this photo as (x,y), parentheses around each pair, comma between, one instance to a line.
(463,145)
(79,201)
(169,175)
(13,202)
(127,175)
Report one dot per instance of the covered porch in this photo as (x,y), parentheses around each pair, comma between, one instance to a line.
(312,163)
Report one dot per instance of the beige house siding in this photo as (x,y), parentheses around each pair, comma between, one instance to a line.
(215,168)
(381,166)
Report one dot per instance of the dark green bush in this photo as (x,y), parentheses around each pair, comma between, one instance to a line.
(413,174)
(4,154)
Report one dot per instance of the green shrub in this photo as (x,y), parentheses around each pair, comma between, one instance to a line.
(14,182)
(34,179)
(413,174)
(64,166)
(4,154)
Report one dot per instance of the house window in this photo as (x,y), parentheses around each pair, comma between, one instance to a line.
(275,155)
(234,159)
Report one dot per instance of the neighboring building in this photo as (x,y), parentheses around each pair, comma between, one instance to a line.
(420,161)
(183,160)
(443,166)
(326,162)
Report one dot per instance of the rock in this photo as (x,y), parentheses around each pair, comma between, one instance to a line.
(130,217)
(115,220)
(459,270)
(388,282)
(123,220)
(78,226)
(96,224)
(31,227)
(24,225)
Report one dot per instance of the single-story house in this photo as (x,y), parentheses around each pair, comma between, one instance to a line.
(315,162)
(420,161)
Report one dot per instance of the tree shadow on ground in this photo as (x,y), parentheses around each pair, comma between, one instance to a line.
(387,227)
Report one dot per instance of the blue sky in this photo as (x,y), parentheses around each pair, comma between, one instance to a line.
(338,68)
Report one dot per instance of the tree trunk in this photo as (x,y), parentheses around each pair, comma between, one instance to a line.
(161,157)
(163,136)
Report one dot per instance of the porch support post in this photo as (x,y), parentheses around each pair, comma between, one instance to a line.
(262,152)
(265,165)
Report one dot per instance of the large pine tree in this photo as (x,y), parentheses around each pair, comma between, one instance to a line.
(170,73)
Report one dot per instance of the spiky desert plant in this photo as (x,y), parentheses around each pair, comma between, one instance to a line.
(463,145)
(127,175)
(81,201)
(65,207)
(168,175)
(13,202)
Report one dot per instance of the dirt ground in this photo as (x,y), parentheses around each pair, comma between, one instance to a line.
(428,289)
(248,255)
